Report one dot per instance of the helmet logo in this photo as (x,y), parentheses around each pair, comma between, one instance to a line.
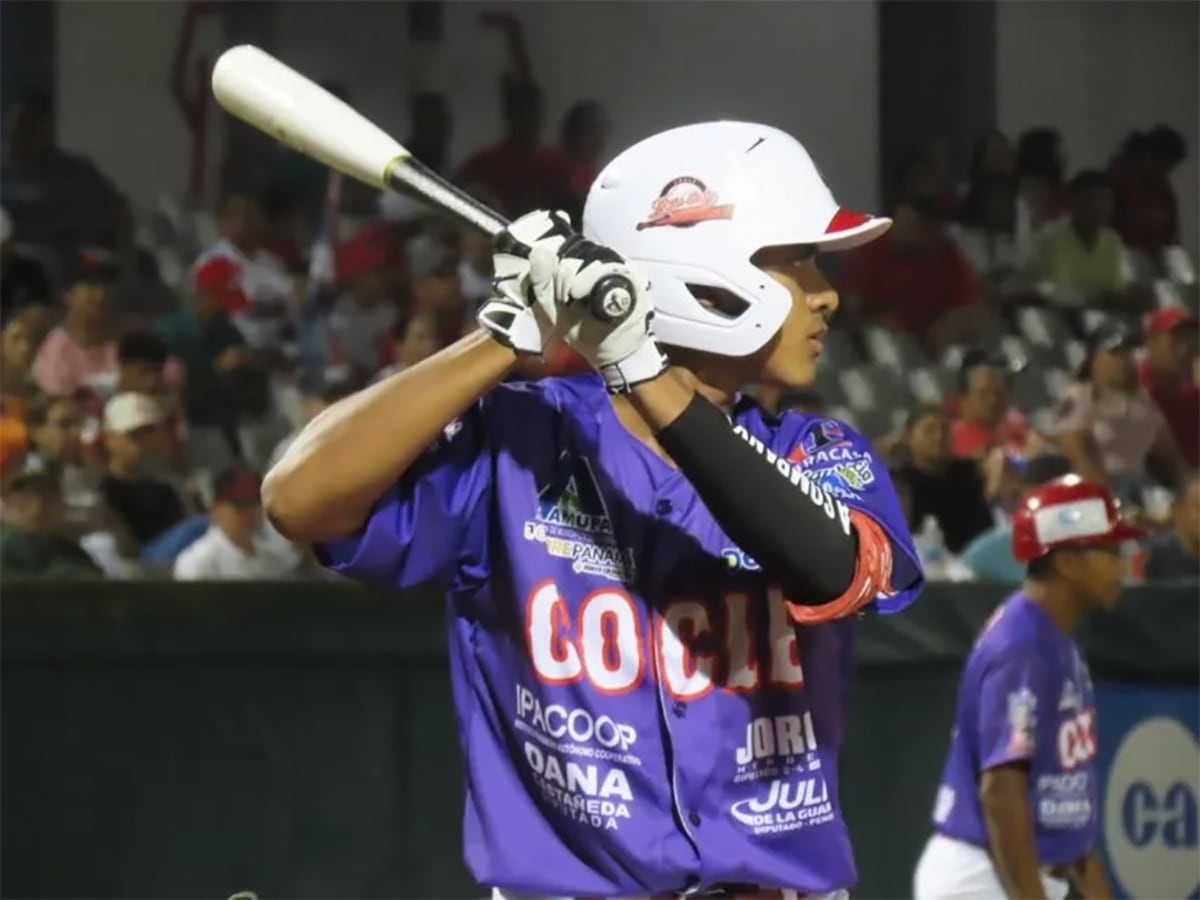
(684,202)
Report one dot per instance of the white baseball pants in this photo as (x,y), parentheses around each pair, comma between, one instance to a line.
(954,870)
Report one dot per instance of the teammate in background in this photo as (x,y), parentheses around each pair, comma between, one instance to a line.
(1016,813)
(654,585)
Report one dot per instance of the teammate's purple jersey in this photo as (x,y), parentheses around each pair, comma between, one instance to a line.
(1025,695)
(636,711)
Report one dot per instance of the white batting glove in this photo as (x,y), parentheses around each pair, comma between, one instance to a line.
(563,277)
(510,315)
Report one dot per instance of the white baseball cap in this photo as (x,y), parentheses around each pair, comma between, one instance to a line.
(692,205)
(130,411)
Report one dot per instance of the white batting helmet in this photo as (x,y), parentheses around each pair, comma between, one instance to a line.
(691,205)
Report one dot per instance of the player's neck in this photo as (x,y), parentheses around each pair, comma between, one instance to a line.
(1058,602)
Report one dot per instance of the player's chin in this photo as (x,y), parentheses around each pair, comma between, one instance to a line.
(1111,594)
(796,372)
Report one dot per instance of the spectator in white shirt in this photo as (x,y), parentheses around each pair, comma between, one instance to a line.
(238,545)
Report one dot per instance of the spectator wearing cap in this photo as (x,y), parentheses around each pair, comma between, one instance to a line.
(990,554)
(318,392)
(247,282)
(954,492)
(1176,555)
(134,442)
(985,417)
(237,545)
(370,271)
(214,357)
(31,538)
(82,351)
(1168,373)
(1080,259)
(144,366)
(23,281)
(914,279)
(1107,425)
(1146,210)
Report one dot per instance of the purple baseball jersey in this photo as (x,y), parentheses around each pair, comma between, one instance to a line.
(636,710)
(1025,695)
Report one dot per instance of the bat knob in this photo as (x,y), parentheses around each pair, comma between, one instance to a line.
(612,298)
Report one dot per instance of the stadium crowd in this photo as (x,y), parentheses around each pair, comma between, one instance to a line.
(1015,324)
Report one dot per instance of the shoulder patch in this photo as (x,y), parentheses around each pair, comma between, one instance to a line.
(829,455)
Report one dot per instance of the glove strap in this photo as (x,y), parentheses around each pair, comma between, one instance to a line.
(646,363)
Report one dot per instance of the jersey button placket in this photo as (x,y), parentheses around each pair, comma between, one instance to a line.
(664,507)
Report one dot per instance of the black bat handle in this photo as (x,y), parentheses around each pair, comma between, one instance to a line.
(611,299)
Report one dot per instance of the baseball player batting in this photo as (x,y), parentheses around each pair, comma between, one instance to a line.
(653,584)
(1016,813)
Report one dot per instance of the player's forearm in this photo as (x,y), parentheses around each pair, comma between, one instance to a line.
(799,535)
(326,483)
(1004,798)
(1089,878)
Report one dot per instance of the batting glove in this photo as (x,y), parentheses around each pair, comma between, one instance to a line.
(511,315)
(563,276)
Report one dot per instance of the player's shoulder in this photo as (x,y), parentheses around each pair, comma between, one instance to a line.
(1013,630)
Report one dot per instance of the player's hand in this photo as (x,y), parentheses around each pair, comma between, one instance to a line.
(563,276)
(511,315)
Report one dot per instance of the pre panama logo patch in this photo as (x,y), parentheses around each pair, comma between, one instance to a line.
(683,202)
(572,523)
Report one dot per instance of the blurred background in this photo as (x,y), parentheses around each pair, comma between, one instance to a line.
(180,296)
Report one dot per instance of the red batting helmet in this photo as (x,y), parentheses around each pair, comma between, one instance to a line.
(1067,512)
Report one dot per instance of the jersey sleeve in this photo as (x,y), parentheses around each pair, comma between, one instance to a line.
(1008,709)
(417,529)
(842,463)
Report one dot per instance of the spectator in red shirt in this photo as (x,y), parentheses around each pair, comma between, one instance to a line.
(985,417)
(1146,210)
(521,171)
(914,279)
(1168,374)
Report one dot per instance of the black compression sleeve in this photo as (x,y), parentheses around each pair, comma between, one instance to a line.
(799,534)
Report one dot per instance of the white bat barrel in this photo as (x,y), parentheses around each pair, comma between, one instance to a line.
(269,95)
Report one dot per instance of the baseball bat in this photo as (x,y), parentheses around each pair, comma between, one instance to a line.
(264,92)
